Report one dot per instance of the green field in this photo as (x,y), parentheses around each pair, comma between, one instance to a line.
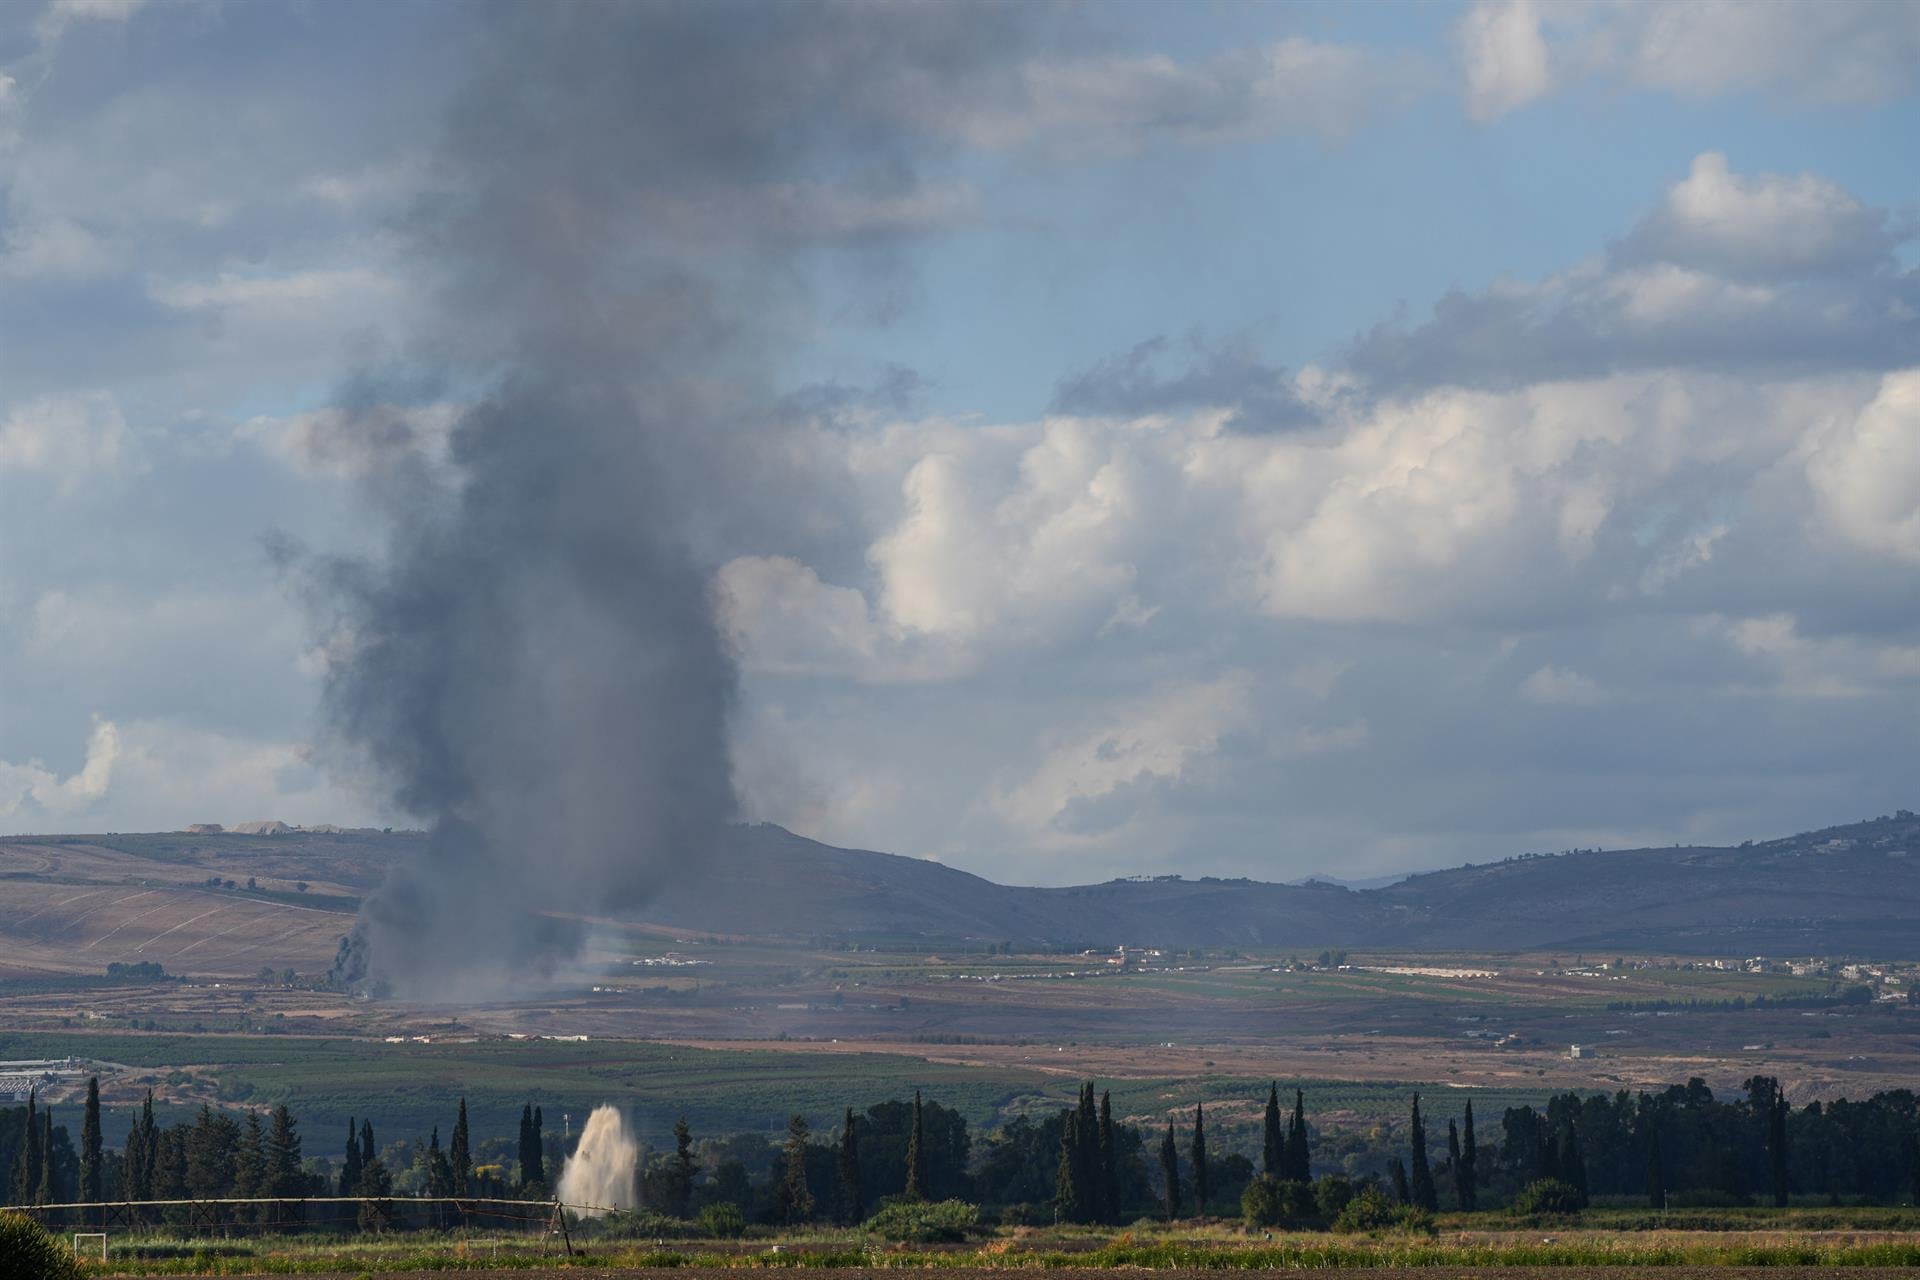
(406,1089)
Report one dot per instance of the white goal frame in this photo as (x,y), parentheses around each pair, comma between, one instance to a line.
(101,1236)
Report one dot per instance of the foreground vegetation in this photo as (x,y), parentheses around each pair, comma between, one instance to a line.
(1547,1246)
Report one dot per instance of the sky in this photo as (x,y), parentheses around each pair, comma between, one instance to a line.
(1230,439)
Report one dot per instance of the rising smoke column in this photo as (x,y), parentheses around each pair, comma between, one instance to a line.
(621,212)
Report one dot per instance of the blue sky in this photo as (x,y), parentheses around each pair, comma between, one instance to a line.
(1230,438)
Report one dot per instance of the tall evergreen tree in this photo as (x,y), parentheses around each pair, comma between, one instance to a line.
(367,1153)
(212,1146)
(285,1181)
(250,1165)
(1467,1178)
(1656,1171)
(850,1171)
(349,1184)
(539,1151)
(1068,1198)
(1170,1174)
(681,1201)
(133,1171)
(1777,1149)
(1398,1175)
(1109,1168)
(26,1163)
(1087,1175)
(916,1188)
(439,1172)
(1299,1149)
(44,1191)
(1272,1146)
(1421,1184)
(1573,1162)
(92,1167)
(794,1202)
(525,1146)
(1199,1159)
(460,1154)
(170,1163)
(1453,1157)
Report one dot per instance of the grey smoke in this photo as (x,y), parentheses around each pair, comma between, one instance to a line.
(618,227)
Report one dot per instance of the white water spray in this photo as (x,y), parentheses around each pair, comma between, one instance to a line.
(601,1170)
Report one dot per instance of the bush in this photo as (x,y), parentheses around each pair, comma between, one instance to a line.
(723,1220)
(1546,1196)
(1330,1195)
(1414,1220)
(1269,1202)
(1368,1210)
(31,1253)
(947,1222)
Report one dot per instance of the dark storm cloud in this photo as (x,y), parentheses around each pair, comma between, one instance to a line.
(533,664)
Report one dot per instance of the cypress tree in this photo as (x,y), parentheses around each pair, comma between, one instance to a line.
(795,1201)
(367,1153)
(1199,1160)
(1656,1172)
(1300,1162)
(1109,1172)
(92,1170)
(683,1166)
(1170,1174)
(1777,1150)
(1272,1147)
(850,1171)
(43,1191)
(540,1147)
(1086,1173)
(26,1163)
(1067,1199)
(133,1171)
(1914,1171)
(916,1155)
(1398,1174)
(460,1154)
(1424,1194)
(1453,1157)
(350,1163)
(526,1144)
(1467,1179)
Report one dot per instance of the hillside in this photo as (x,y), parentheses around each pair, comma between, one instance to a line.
(72,904)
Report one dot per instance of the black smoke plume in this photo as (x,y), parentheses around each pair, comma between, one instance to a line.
(623,212)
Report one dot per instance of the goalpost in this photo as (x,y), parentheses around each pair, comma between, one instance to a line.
(101,1236)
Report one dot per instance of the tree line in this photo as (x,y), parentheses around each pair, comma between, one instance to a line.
(1680,1147)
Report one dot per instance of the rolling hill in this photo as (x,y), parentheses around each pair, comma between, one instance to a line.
(227,903)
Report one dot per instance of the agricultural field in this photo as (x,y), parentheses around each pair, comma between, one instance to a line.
(1874,1248)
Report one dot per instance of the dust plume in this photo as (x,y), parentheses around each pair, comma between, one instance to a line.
(600,1172)
(627,212)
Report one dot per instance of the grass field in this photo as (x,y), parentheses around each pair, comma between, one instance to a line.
(1541,1249)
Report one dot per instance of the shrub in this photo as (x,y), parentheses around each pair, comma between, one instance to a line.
(31,1253)
(1330,1195)
(1368,1210)
(1414,1220)
(1269,1202)
(1546,1196)
(723,1220)
(921,1223)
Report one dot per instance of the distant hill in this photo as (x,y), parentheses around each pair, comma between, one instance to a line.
(1853,888)
(1849,889)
